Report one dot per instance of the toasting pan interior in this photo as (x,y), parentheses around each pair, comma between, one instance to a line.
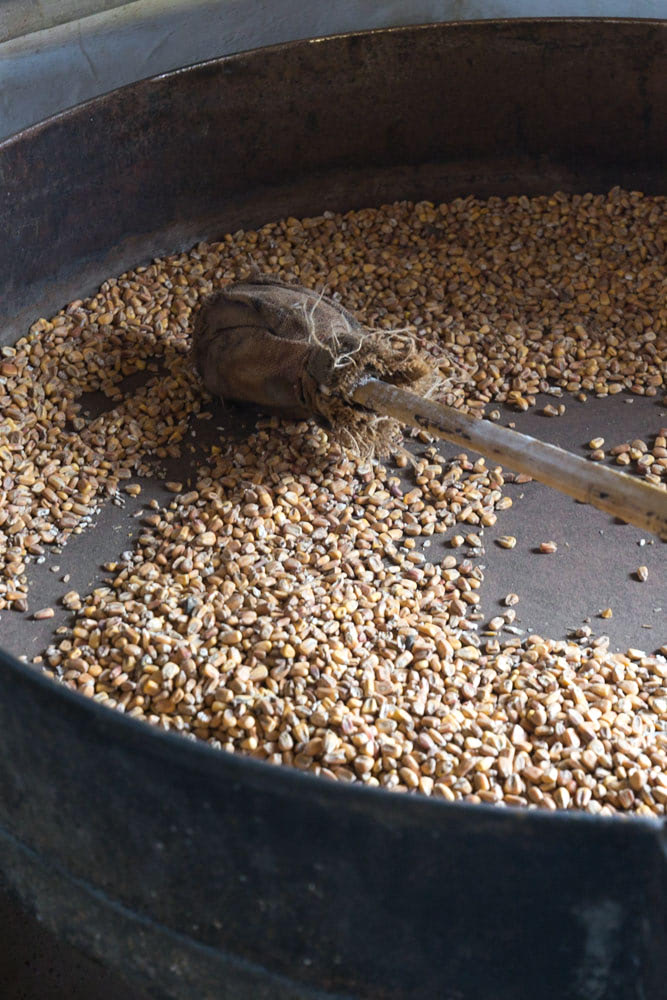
(207,875)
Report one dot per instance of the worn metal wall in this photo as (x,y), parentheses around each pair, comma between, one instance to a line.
(56,54)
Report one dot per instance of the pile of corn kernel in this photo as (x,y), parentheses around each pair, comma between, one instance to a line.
(296,603)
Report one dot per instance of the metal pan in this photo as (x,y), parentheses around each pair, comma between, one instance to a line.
(204,875)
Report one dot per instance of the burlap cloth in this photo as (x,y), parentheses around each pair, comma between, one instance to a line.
(297,353)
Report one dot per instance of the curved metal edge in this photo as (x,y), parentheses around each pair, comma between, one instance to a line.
(490,24)
(128,932)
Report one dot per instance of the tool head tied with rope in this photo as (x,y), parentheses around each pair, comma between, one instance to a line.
(298,353)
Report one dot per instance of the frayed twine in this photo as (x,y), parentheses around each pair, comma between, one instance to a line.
(357,354)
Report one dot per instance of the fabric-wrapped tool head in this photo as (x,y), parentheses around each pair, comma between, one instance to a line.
(297,353)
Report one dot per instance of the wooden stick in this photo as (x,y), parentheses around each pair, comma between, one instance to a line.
(630,499)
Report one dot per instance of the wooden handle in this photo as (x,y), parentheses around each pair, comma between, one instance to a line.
(630,499)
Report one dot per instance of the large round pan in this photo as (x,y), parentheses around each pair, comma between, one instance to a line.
(209,876)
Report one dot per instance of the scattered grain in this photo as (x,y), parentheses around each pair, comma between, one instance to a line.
(281,608)
(506,541)
(548,547)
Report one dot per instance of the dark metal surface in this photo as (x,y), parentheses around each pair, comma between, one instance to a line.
(35,964)
(209,876)
(431,112)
